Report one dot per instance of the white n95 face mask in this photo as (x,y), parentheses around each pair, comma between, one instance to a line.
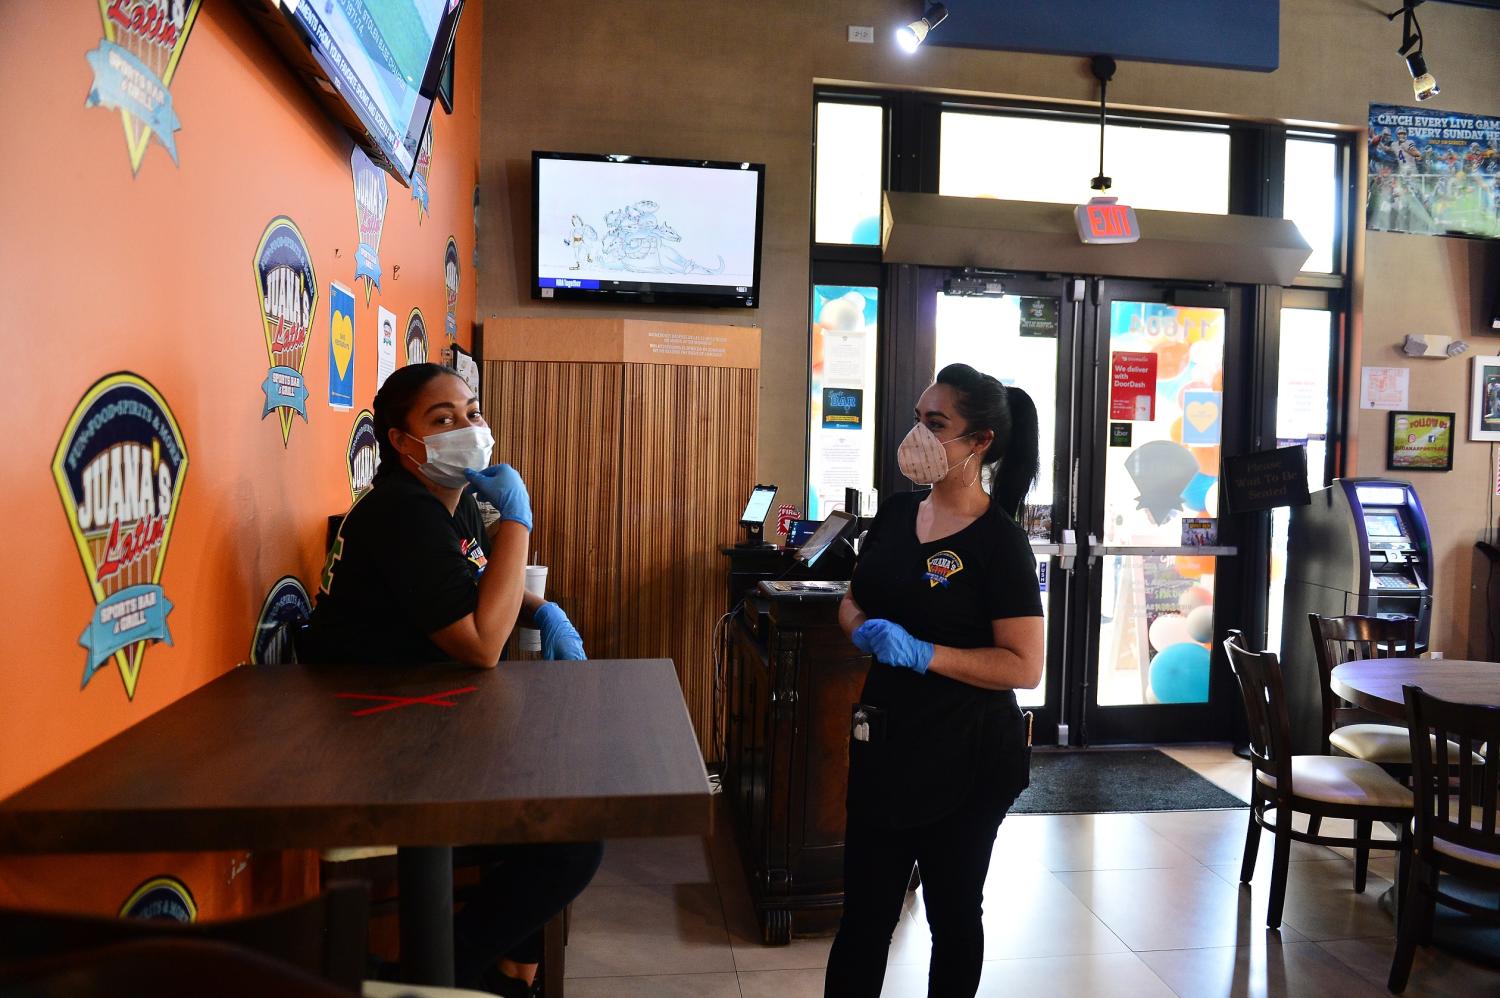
(922,457)
(452,452)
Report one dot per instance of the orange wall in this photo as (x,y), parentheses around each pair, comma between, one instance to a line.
(101,271)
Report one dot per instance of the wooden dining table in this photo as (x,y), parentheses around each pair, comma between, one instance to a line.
(424,759)
(1375,683)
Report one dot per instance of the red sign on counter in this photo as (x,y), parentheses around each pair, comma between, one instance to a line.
(1132,386)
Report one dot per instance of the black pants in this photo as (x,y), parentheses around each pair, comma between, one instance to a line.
(954,856)
(522,888)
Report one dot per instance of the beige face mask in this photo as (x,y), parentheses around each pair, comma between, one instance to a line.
(922,456)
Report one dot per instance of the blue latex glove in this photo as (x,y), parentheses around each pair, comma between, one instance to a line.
(890,643)
(560,639)
(502,488)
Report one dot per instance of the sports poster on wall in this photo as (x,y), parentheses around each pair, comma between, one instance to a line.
(288,291)
(1433,173)
(416,338)
(134,65)
(370,199)
(362,457)
(285,604)
(119,469)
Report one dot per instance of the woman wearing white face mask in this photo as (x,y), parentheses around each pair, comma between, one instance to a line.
(945,599)
(415,576)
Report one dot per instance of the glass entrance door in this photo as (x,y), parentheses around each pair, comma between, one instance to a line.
(1156,553)
(1025,337)
(1129,383)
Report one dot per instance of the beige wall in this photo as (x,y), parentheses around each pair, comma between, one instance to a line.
(726,80)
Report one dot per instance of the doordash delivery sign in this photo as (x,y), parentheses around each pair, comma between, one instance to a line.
(1105,221)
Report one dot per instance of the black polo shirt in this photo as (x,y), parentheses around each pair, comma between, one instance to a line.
(400,569)
(942,742)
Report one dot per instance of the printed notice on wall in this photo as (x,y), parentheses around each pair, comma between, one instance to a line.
(844,358)
(1132,386)
(385,349)
(1385,388)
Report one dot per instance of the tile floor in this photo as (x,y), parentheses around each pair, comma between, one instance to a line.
(1124,905)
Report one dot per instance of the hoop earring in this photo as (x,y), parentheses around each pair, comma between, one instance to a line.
(970,482)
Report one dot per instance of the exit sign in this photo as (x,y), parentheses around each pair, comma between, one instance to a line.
(1105,220)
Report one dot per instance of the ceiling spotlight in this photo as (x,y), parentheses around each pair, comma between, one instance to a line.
(1423,83)
(912,35)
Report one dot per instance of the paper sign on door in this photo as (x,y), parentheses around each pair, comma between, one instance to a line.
(1132,386)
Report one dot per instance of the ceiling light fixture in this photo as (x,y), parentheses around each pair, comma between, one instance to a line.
(1423,84)
(912,35)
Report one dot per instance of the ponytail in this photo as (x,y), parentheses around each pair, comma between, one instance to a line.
(1009,413)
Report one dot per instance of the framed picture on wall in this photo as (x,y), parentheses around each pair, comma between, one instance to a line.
(1420,441)
(1484,408)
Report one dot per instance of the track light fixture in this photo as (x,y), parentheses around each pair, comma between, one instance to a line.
(1423,84)
(912,35)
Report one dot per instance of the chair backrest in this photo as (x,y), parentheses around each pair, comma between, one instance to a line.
(1337,640)
(325,935)
(1455,798)
(1261,688)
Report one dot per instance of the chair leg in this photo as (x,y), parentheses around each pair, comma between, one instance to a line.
(1407,930)
(1279,863)
(1361,855)
(1429,907)
(1403,871)
(1252,848)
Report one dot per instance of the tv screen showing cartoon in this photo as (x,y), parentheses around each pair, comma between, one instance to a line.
(653,231)
(382,59)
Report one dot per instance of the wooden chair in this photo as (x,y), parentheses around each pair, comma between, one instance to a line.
(1320,786)
(323,936)
(1455,818)
(1359,733)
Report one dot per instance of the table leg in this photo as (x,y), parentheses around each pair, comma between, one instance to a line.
(425,875)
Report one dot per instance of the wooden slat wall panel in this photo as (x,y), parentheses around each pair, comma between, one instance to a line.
(637,474)
(559,424)
(688,463)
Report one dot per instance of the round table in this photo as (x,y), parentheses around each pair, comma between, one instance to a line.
(1375,683)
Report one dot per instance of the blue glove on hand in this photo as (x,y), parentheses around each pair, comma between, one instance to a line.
(560,639)
(890,643)
(500,485)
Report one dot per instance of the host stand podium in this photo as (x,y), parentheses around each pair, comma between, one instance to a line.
(792,677)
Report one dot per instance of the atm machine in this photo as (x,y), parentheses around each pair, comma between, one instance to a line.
(1361,546)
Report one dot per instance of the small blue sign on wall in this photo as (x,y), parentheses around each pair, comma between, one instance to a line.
(1224,34)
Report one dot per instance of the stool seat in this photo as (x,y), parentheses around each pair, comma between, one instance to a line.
(1336,779)
(354,854)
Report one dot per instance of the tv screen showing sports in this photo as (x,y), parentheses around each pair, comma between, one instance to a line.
(654,231)
(376,64)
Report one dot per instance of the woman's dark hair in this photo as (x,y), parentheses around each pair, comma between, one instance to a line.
(986,404)
(394,401)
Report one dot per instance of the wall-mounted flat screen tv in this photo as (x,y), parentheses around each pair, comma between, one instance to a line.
(646,230)
(375,64)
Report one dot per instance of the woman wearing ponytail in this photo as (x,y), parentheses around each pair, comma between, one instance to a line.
(946,601)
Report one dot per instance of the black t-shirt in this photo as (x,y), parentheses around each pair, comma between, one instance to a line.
(400,569)
(941,741)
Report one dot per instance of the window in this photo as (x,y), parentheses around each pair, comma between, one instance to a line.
(850,144)
(1311,197)
(1045,159)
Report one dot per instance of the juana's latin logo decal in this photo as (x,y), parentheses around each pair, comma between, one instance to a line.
(288,291)
(162,899)
(370,199)
(134,65)
(286,604)
(450,284)
(416,338)
(119,469)
(419,173)
(363,455)
(941,567)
